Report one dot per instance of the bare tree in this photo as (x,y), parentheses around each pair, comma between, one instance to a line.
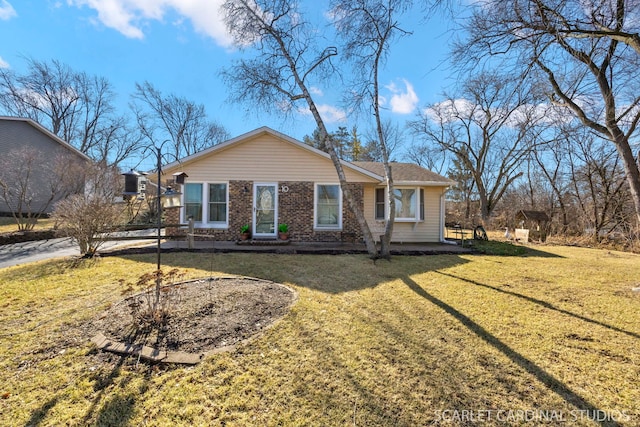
(463,192)
(588,53)
(280,74)
(432,157)
(489,130)
(368,27)
(183,122)
(47,94)
(85,217)
(598,184)
(30,183)
(75,106)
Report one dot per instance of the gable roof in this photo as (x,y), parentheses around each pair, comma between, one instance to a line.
(48,133)
(532,215)
(266,130)
(407,174)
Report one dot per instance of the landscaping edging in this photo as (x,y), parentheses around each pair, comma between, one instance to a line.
(27,236)
(146,353)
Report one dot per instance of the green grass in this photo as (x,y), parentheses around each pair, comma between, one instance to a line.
(391,343)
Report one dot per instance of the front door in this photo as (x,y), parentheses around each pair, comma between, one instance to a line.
(265,210)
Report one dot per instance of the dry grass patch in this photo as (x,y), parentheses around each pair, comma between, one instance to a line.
(392,343)
(8,224)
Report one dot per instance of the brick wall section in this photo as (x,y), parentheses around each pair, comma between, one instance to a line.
(295,208)
(172,216)
(240,208)
(351,228)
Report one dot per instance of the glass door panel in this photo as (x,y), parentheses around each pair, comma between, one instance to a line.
(265,203)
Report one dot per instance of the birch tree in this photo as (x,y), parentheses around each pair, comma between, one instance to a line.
(368,27)
(280,75)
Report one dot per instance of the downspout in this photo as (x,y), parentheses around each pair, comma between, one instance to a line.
(442,217)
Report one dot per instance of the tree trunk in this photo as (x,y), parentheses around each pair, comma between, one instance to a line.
(631,171)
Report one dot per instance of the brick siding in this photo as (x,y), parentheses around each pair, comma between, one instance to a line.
(295,208)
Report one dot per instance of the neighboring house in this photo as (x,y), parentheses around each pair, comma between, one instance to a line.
(265,178)
(20,134)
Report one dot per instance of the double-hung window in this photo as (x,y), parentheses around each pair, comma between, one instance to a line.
(193,201)
(328,206)
(218,204)
(207,203)
(409,204)
(381,203)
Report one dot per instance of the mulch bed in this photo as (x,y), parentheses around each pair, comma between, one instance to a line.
(205,315)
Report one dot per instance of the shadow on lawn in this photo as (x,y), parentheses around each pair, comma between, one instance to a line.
(40,414)
(116,409)
(542,303)
(331,274)
(552,383)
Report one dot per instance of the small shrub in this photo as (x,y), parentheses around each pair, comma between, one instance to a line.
(152,298)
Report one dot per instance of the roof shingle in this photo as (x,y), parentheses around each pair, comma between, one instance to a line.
(406,173)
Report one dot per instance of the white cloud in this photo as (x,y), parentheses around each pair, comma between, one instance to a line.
(403,101)
(3,63)
(316,91)
(449,110)
(6,10)
(332,114)
(329,113)
(129,16)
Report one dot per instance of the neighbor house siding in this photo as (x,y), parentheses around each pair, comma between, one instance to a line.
(21,134)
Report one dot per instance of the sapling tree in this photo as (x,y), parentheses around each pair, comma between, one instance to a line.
(30,183)
(87,216)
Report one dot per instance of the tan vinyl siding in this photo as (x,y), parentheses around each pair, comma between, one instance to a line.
(427,230)
(264,158)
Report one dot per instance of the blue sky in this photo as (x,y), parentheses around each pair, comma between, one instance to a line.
(180,45)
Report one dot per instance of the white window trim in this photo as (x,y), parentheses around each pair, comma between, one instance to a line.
(317,227)
(217,224)
(384,204)
(183,202)
(416,207)
(205,207)
(400,219)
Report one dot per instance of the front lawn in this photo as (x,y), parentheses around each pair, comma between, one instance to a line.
(8,224)
(548,338)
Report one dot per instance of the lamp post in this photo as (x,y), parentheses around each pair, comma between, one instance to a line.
(171,197)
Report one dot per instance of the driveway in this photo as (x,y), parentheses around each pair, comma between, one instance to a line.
(25,252)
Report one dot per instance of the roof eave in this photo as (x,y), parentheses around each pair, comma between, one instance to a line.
(50,134)
(425,183)
(266,129)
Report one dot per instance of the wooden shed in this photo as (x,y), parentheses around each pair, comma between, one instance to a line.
(534,221)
